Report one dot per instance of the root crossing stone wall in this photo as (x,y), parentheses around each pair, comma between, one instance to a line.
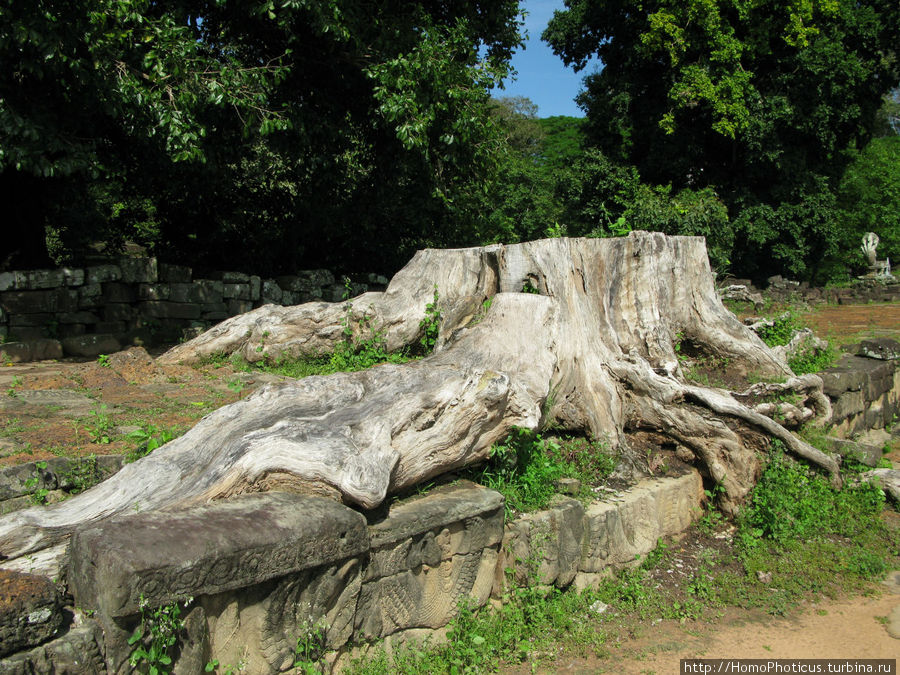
(262,568)
(46,314)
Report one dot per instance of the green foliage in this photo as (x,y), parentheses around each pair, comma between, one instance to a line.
(38,495)
(103,361)
(792,502)
(430,325)
(154,640)
(310,125)
(83,473)
(762,103)
(310,648)
(100,425)
(147,439)
(780,332)
(524,468)
(869,201)
(810,359)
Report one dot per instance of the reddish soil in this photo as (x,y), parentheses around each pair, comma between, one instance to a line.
(128,392)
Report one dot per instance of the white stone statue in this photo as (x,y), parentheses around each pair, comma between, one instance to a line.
(869,244)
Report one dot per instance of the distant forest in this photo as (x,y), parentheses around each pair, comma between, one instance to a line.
(270,136)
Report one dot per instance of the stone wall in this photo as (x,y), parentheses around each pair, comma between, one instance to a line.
(261,569)
(864,390)
(103,308)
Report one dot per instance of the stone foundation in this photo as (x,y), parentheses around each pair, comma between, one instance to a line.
(261,569)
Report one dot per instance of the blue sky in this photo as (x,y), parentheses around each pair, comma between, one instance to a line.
(542,76)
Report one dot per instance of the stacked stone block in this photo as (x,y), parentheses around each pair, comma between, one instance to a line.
(103,308)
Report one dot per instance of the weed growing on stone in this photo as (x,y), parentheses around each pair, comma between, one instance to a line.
(526,466)
(38,495)
(430,324)
(155,638)
(147,439)
(12,386)
(83,473)
(310,647)
(810,359)
(103,361)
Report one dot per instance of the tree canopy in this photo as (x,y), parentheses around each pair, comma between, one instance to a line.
(264,122)
(762,102)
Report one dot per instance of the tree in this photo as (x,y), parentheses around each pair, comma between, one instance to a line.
(366,113)
(763,102)
(575,355)
(869,201)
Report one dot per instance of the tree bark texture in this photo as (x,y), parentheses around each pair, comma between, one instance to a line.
(594,350)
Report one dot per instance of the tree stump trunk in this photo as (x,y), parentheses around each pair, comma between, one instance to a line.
(594,350)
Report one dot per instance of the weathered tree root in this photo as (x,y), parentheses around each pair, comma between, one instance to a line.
(594,351)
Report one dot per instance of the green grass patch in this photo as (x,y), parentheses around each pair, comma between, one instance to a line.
(525,467)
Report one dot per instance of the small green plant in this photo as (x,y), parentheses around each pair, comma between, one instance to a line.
(38,495)
(103,361)
(310,648)
(12,386)
(712,518)
(810,359)
(236,385)
(213,667)
(525,467)
(780,332)
(100,426)
(83,473)
(430,324)
(155,639)
(528,287)
(147,439)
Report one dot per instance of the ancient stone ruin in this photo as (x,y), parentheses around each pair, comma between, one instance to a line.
(277,503)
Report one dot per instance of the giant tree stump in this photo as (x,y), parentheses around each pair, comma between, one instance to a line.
(594,350)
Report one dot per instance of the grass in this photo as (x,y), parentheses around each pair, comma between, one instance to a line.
(525,467)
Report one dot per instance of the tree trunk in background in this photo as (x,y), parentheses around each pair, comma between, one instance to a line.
(595,350)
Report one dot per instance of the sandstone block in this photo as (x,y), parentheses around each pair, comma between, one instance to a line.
(202,291)
(271,292)
(118,311)
(46,349)
(175,274)
(629,526)
(77,317)
(139,270)
(34,302)
(30,611)
(207,549)
(255,288)
(236,306)
(234,278)
(154,291)
(114,291)
(863,453)
(169,310)
(99,274)
(236,291)
(77,652)
(425,530)
(883,349)
(15,352)
(545,547)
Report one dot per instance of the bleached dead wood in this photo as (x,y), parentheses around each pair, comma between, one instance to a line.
(595,351)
